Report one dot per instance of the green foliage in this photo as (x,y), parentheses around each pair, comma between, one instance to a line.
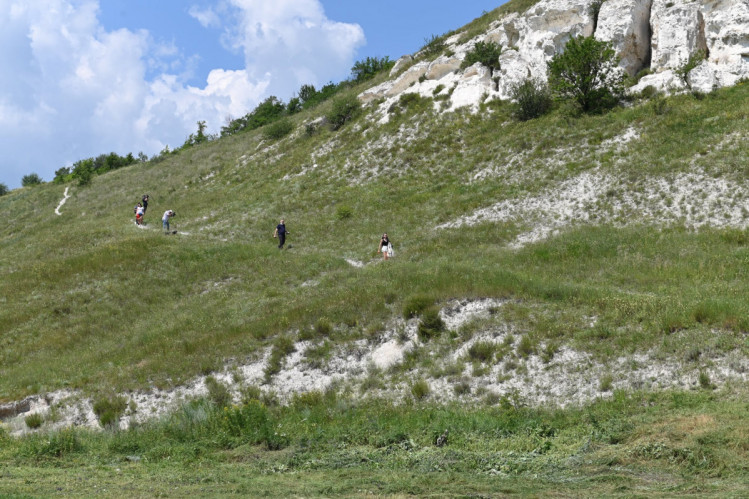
(431,324)
(266,112)
(692,62)
(57,445)
(344,109)
(198,137)
(482,351)
(420,389)
(3,189)
(282,347)
(433,46)
(218,392)
(532,99)
(34,421)
(586,72)
(343,212)
(109,409)
(369,67)
(485,53)
(278,129)
(414,305)
(31,180)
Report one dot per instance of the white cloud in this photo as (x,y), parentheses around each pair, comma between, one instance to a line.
(70,89)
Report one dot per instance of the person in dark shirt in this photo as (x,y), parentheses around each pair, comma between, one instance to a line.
(280,233)
(386,247)
(145,203)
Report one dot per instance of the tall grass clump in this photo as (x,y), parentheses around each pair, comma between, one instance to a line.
(344,109)
(414,305)
(431,324)
(109,409)
(282,347)
(532,99)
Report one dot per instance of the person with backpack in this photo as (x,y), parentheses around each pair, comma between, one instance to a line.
(280,233)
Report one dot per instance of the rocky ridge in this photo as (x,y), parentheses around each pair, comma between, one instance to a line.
(655,37)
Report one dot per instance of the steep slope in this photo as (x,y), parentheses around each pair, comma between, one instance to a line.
(610,251)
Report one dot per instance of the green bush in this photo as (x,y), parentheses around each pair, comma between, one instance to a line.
(482,351)
(3,189)
(278,130)
(31,179)
(344,110)
(343,212)
(416,304)
(532,99)
(282,347)
(369,67)
(486,53)
(433,46)
(218,392)
(431,324)
(109,410)
(587,73)
(34,420)
(420,389)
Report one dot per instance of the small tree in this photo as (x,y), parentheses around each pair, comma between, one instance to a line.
(532,99)
(344,110)
(31,179)
(369,67)
(587,72)
(3,189)
(487,53)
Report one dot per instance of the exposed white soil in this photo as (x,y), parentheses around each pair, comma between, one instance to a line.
(65,197)
(692,200)
(569,378)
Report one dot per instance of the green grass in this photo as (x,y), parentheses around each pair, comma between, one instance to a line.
(321,445)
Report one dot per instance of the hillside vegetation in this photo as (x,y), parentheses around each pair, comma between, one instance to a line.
(616,240)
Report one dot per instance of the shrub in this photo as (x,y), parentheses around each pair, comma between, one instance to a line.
(369,67)
(526,346)
(109,410)
(607,382)
(31,179)
(433,46)
(344,109)
(587,72)
(34,420)
(532,99)
(486,53)
(218,392)
(323,327)
(281,348)
(420,389)
(278,129)
(691,63)
(482,351)
(415,305)
(343,212)
(57,444)
(3,189)
(431,324)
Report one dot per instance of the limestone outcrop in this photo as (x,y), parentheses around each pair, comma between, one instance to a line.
(656,38)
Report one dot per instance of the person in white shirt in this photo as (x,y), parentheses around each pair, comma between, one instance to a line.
(165,219)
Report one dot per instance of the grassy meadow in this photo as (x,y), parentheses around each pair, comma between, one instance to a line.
(89,301)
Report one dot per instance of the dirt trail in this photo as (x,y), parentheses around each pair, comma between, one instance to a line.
(62,201)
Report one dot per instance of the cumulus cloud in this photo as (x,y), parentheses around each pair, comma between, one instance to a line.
(70,89)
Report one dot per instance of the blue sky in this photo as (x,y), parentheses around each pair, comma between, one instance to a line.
(83,77)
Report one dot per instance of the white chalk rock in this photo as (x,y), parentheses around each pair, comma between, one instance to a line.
(626,24)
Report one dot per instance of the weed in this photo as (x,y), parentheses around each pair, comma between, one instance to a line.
(34,421)
(420,389)
(109,410)
(606,383)
(431,324)
(482,351)
(416,304)
(218,392)
(282,347)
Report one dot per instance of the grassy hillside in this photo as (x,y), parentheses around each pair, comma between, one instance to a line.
(620,238)
(91,301)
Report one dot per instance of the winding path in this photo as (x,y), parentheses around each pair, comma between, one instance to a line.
(62,201)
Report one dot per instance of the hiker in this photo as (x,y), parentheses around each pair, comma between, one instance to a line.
(165,220)
(280,233)
(145,203)
(386,247)
(139,212)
